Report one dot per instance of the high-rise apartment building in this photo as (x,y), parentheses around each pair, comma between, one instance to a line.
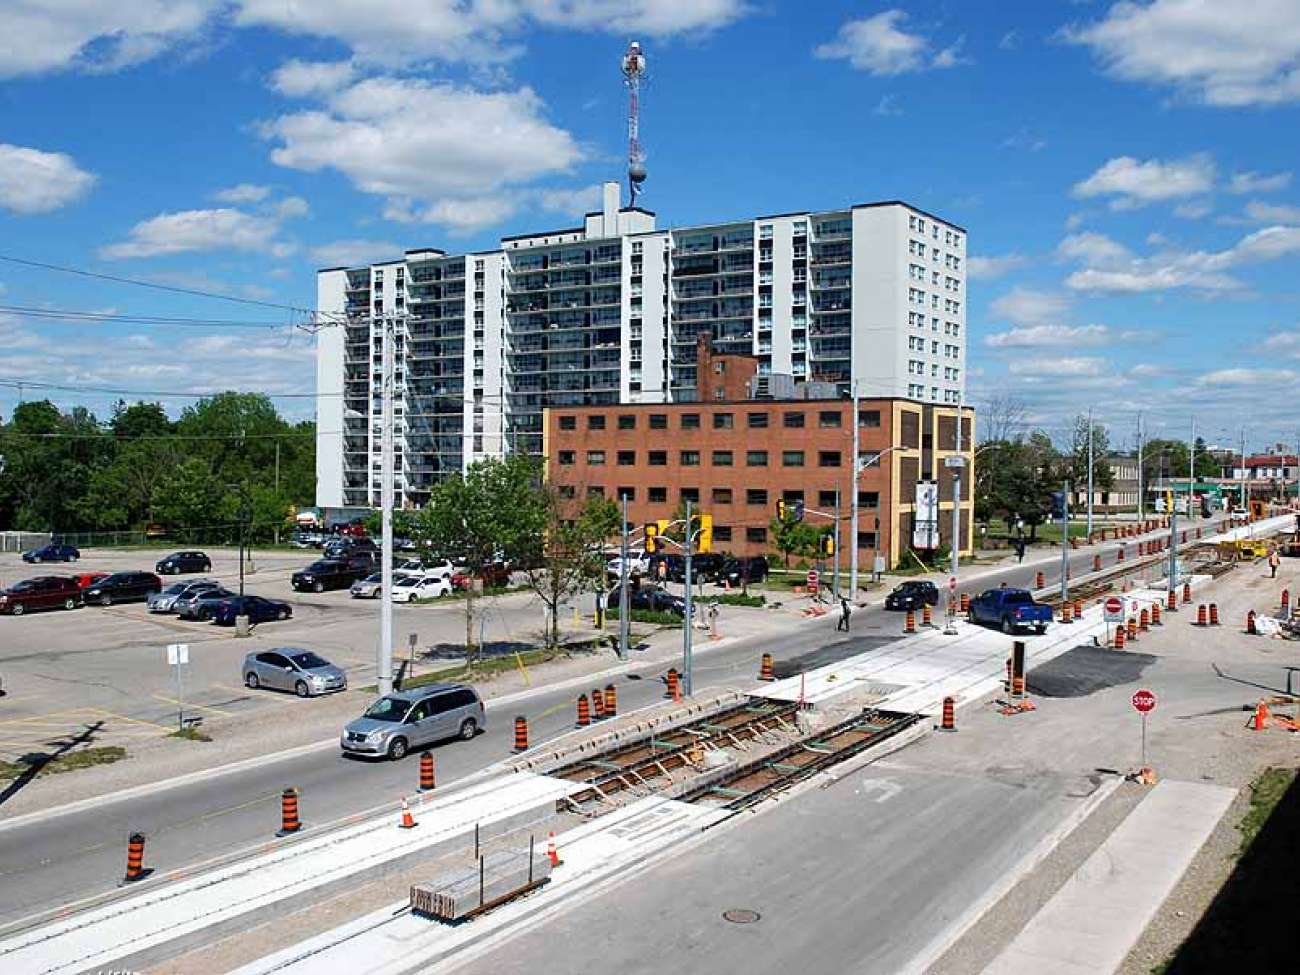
(611,312)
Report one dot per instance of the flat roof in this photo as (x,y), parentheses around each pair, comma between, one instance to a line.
(547,233)
(904,203)
(697,404)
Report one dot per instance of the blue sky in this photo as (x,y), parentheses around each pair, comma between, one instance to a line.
(1126,171)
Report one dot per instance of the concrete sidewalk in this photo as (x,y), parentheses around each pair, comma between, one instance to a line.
(1093,921)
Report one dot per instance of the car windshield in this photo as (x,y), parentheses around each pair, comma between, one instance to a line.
(176,588)
(1017,596)
(308,660)
(388,709)
(407,581)
(115,578)
(21,586)
(375,577)
(319,567)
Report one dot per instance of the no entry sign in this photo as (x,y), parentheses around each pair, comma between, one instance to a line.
(1144,701)
(1113,609)
(814,581)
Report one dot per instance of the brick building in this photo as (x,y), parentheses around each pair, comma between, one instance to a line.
(735,458)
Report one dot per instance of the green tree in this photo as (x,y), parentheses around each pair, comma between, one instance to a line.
(1076,466)
(791,537)
(188,498)
(1163,459)
(139,420)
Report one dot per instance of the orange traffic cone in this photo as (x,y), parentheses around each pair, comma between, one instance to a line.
(551,853)
(1260,721)
(408,821)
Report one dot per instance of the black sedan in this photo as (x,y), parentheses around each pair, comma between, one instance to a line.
(52,553)
(648,598)
(913,594)
(179,562)
(257,609)
(330,574)
(122,587)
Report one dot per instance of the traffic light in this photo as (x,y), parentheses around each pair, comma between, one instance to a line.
(828,545)
(798,510)
(1058,504)
(782,509)
(1169,502)
(704,540)
(651,538)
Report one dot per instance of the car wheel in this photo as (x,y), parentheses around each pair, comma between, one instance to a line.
(207,567)
(300,688)
(250,680)
(205,616)
(468,729)
(1040,630)
(105,600)
(69,603)
(283,614)
(35,559)
(1006,625)
(318,587)
(397,749)
(18,609)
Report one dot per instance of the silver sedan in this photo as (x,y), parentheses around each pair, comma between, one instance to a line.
(293,669)
(165,601)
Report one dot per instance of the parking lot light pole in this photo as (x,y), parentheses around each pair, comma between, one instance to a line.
(623,600)
(688,683)
(385,656)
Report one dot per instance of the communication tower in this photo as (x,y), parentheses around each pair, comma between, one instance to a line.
(634,65)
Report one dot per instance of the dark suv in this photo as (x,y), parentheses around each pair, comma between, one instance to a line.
(179,562)
(43,592)
(913,594)
(740,571)
(347,545)
(52,553)
(329,574)
(122,587)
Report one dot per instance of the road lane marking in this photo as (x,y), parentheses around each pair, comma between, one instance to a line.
(191,704)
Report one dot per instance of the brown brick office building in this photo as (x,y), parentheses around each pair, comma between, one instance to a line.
(735,458)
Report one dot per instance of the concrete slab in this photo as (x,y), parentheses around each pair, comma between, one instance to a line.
(1093,921)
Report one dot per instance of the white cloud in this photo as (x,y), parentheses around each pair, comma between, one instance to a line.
(354,252)
(1072,366)
(32,181)
(1025,140)
(1133,183)
(989,268)
(1243,183)
(95,35)
(299,79)
(887,106)
(879,46)
(1193,210)
(1147,370)
(1025,306)
(658,18)
(243,193)
(223,228)
(1286,343)
(1032,336)
(1272,213)
(1010,41)
(291,207)
(1257,378)
(1219,53)
(437,152)
(572,201)
(1093,249)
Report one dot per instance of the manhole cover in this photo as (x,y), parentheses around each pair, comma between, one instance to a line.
(741,917)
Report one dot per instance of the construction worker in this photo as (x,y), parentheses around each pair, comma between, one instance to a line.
(1273,562)
(845,613)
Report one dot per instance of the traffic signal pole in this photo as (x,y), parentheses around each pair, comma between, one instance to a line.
(688,683)
(1065,542)
(623,602)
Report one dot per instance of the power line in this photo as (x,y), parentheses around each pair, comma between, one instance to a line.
(71,315)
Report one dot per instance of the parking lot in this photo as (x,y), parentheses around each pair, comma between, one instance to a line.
(103,670)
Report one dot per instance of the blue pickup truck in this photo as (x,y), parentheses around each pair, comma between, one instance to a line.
(1011,610)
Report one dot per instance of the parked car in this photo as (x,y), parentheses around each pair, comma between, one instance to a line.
(495,575)
(638,565)
(202,606)
(179,562)
(123,587)
(649,598)
(85,580)
(344,545)
(327,574)
(52,553)
(43,592)
(913,594)
(293,669)
(165,601)
(410,588)
(307,539)
(704,568)
(256,608)
(440,568)
(738,571)
(398,722)
(1010,609)
(368,588)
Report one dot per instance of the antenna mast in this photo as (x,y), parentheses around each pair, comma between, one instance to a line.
(633,67)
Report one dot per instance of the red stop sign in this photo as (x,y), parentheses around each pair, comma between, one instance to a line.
(1144,701)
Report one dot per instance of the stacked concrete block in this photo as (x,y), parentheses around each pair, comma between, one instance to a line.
(504,873)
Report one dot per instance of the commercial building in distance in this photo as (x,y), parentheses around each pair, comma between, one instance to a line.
(872,295)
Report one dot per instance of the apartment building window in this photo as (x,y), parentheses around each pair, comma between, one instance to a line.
(722,458)
(626,492)
(765,231)
(565,458)
(756,458)
(627,421)
(568,423)
(596,422)
(689,494)
(721,495)
(689,458)
(595,492)
(868,418)
(793,421)
(756,536)
(658,421)
(636,247)
(756,497)
(792,458)
(791,496)
(595,458)
(627,458)
(826,500)
(866,539)
(757,421)
(828,458)
(723,421)
(828,418)
(658,458)
(722,533)
(690,421)
(657,495)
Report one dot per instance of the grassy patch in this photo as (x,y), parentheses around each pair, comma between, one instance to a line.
(1265,793)
(191,733)
(653,617)
(737,599)
(86,757)
(487,667)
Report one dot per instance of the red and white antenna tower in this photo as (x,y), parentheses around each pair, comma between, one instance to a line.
(633,72)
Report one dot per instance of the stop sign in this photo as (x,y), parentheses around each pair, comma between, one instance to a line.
(1144,701)
(952,583)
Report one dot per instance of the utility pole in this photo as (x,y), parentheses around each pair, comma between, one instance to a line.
(1140,478)
(1091,464)
(385,659)
(1191,477)
(1245,507)
(688,682)
(1173,544)
(853,499)
(623,627)
(958,460)
(835,572)
(1065,543)
(277,487)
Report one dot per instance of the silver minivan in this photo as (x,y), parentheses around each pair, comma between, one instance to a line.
(403,720)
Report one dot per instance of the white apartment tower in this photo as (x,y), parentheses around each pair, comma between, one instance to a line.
(610,312)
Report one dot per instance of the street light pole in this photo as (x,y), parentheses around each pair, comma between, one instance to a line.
(623,628)
(688,682)
(385,656)
(1140,478)
(855,471)
(1065,543)
(1090,467)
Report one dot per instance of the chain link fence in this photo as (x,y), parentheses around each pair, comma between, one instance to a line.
(22,541)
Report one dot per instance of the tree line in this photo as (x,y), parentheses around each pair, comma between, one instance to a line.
(228,459)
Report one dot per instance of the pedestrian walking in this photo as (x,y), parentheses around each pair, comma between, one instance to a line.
(1273,562)
(1020,550)
(845,613)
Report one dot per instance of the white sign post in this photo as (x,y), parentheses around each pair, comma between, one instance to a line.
(178,654)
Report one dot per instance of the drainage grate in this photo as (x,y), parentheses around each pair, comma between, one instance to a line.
(739,916)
